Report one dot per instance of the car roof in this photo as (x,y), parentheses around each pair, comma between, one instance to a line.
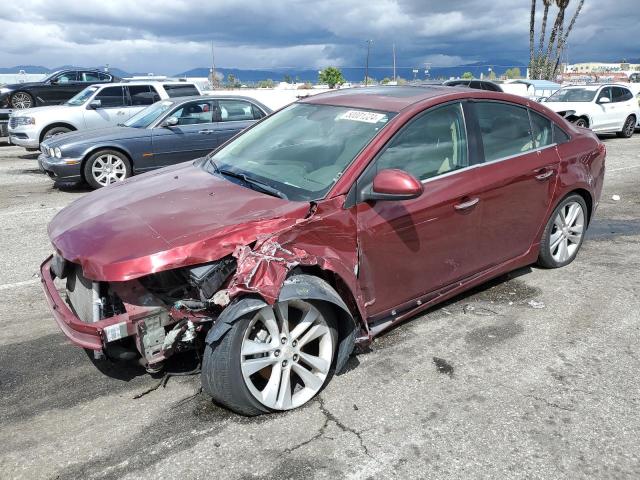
(142,82)
(384,98)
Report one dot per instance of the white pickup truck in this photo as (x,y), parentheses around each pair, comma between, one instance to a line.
(97,106)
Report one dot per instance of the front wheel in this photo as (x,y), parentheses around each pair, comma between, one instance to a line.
(276,358)
(581,122)
(52,132)
(628,128)
(106,167)
(21,100)
(564,233)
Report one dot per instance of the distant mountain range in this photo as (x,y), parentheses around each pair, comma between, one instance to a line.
(308,75)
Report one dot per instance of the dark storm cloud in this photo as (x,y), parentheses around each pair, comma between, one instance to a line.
(175,35)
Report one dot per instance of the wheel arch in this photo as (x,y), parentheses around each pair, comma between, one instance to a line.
(44,131)
(96,148)
(302,286)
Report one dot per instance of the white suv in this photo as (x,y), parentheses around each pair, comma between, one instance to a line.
(97,106)
(602,108)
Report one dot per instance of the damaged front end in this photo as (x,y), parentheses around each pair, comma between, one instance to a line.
(149,319)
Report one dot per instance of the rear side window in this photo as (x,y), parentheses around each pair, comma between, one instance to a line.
(236,110)
(143,95)
(505,130)
(621,94)
(111,97)
(559,136)
(541,129)
(89,77)
(104,77)
(431,145)
(185,90)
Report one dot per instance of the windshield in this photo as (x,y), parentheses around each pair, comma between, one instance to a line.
(82,97)
(302,150)
(572,95)
(146,117)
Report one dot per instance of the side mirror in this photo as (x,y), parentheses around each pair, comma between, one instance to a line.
(170,122)
(94,104)
(604,100)
(392,184)
(543,99)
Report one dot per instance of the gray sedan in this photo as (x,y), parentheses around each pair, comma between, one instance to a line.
(165,133)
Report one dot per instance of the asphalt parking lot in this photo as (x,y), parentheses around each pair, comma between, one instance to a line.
(532,376)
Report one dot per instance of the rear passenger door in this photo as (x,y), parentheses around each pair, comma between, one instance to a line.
(194,136)
(518,178)
(624,104)
(233,116)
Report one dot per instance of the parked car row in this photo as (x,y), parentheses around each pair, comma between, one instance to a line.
(269,257)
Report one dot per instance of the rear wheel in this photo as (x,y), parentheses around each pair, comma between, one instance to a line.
(628,128)
(21,100)
(564,233)
(106,167)
(276,358)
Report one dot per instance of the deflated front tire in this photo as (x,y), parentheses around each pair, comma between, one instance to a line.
(276,358)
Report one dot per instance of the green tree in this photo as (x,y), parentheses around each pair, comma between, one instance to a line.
(513,73)
(369,81)
(332,76)
(286,78)
(492,75)
(401,81)
(232,81)
(268,83)
(467,75)
(385,80)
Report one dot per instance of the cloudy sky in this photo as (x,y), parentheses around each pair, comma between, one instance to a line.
(170,36)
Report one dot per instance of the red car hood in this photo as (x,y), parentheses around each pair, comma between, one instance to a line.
(174,217)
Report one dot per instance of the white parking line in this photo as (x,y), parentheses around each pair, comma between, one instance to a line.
(8,286)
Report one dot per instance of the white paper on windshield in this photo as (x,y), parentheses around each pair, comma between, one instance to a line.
(360,116)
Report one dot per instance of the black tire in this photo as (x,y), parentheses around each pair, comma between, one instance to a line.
(628,128)
(99,158)
(21,100)
(545,257)
(581,122)
(53,131)
(221,373)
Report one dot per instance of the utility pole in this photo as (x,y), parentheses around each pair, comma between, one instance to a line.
(366,68)
(213,67)
(427,68)
(394,63)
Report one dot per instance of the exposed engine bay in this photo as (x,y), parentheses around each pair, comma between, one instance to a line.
(162,313)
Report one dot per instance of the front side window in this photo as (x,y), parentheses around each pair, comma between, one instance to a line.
(303,149)
(505,130)
(111,97)
(66,77)
(605,93)
(193,113)
(541,129)
(143,95)
(236,110)
(573,95)
(433,144)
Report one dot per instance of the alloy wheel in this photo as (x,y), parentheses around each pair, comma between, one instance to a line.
(581,122)
(21,100)
(286,354)
(566,235)
(629,127)
(107,169)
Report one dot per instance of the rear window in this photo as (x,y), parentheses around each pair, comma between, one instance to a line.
(184,90)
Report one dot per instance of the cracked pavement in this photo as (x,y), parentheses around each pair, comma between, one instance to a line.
(531,376)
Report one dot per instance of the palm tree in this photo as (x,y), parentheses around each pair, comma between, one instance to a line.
(557,27)
(543,30)
(562,41)
(532,35)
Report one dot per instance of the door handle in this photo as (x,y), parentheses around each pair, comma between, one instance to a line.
(468,204)
(120,112)
(544,174)
(205,132)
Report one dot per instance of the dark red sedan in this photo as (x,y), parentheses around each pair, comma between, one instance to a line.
(317,229)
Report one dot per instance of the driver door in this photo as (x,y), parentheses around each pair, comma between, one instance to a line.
(413,247)
(194,136)
(112,111)
(61,89)
(604,117)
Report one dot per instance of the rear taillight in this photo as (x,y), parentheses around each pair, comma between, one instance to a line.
(602,148)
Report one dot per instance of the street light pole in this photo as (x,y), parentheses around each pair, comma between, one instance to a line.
(366,69)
